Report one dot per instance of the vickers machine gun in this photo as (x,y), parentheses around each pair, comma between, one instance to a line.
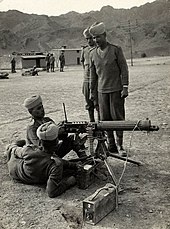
(105,199)
(96,131)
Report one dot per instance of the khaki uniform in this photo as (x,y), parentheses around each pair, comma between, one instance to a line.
(31,134)
(62,62)
(32,165)
(86,81)
(52,62)
(65,143)
(109,72)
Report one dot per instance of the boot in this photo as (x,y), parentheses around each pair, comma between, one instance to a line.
(112,148)
(111,142)
(9,150)
(91,115)
(20,142)
(119,141)
(122,152)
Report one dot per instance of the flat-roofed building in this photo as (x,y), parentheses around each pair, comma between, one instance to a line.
(72,55)
(28,61)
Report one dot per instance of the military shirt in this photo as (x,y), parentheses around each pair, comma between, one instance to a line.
(31,134)
(85,61)
(108,69)
(32,165)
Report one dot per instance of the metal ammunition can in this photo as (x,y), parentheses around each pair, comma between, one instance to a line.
(100,204)
(86,174)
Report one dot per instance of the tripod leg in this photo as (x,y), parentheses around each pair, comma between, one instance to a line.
(103,149)
(124,159)
(111,173)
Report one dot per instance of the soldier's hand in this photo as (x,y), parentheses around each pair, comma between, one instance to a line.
(96,107)
(61,130)
(57,160)
(91,98)
(60,124)
(62,134)
(74,165)
(78,165)
(124,92)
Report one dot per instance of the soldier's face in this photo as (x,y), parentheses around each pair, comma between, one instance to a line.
(38,111)
(100,40)
(90,41)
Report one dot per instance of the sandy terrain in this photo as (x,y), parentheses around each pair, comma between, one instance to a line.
(144,202)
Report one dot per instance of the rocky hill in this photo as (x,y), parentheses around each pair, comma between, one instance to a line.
(147,25)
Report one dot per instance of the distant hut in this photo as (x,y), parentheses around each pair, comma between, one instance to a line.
(72,55)
(33,59)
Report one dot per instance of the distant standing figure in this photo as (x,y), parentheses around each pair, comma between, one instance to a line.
(52,62)
(47,60)
(62,61)
(13,64)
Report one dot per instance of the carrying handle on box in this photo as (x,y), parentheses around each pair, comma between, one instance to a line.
(103,188)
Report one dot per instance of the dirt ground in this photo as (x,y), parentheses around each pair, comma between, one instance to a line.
(144,202)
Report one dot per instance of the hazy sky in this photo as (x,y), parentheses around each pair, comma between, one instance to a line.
(58,7)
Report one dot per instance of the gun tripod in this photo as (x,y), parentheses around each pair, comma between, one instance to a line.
(102,152)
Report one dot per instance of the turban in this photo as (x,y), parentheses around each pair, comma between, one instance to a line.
(86,33)
(97,28)
(33,101)
(48,131)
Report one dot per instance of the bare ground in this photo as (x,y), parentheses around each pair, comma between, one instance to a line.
(145,200)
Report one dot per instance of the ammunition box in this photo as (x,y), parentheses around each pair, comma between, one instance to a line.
(98,205)
(86,174)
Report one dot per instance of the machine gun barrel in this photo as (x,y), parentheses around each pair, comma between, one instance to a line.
(126,125)
(83,126)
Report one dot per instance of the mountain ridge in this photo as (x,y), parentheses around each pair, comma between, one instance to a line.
(149,27)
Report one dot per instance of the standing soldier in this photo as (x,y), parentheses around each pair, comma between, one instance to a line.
(47,60)
(52,62)
(13,63)
(110,78)
(85,62)
(62,61)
